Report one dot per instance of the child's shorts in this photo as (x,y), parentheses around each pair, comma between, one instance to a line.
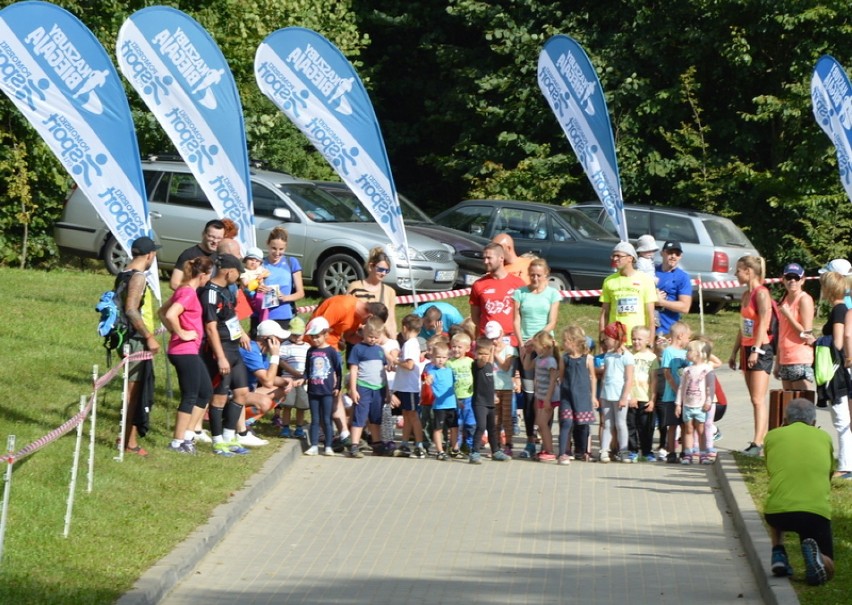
(540,405)
(446,419)
(667,413)
(297,398)
(693,414)
(369,408)
(409,402)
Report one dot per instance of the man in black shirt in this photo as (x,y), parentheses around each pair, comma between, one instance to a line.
(213,233)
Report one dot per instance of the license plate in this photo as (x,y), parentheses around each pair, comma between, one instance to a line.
(469,279)
(445,276)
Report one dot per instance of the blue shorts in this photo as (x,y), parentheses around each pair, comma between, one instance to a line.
(369,408)
(466,417)
(409,402)
(690,414)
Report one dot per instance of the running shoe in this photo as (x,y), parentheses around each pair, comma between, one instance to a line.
(251,440)
(299,433)
(650,458)
(564,460)
(236,448)
(222,449)
(455,453)
(780,564)
(328,452)
(499,456)
(753,450)
(203,436)
(544,457)
(285,432)
(475,458)
(419,452)
(815,572)
(441,456)
(604,457)
(354,452)
(717,434)
(312,451)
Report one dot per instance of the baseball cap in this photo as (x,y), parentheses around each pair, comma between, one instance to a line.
(316,326)
(793,269)
(143,245)
(838,265)
(229,261)
(493,330)
(254,252)
(646,243)
(625,248)
(672,245)
(297,325)
(270,327)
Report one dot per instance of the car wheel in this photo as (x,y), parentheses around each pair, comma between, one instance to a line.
(711,308)
(560,281)
(336,273)
(115,258)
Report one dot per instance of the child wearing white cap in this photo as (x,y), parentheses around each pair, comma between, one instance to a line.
(646,248)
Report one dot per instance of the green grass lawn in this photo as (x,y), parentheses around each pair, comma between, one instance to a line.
(839,589)
(140,509)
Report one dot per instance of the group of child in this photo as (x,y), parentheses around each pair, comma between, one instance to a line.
(456,391)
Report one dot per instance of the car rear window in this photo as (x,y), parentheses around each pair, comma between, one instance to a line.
(723,232)
(583,224)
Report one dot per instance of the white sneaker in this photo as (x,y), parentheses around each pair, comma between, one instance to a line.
(203,437)
(328,452)
(662,453)
(312,451)
(251,440)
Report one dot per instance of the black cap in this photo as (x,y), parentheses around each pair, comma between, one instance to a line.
(143,245)
(229,261)
(672,245)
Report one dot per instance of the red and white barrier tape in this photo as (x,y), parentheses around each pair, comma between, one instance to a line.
(75,420)
(432,296)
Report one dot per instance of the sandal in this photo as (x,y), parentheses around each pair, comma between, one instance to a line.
(138,450)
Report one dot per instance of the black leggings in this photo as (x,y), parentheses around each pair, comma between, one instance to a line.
(194,380)
(807,525)
(485,421)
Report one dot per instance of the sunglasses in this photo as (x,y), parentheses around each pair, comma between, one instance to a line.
(383,270)
(792,277)
(620,256)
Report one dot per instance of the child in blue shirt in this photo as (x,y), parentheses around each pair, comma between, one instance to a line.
(445,407)
(673,362)
(367,386)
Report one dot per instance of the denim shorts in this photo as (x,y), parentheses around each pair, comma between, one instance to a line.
(690,414)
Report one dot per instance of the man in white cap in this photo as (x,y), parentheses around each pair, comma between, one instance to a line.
(265,385)
(628,295)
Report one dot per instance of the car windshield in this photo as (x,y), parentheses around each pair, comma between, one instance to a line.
(322,207)
(583,224)
(410,212)
(723,232)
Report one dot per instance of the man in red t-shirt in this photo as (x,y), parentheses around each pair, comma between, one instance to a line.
(491,294)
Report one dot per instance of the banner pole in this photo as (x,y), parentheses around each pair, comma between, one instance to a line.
(7,491)
(91,475)
(701,303)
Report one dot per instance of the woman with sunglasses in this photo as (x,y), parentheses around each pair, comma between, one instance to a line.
(373,289)
(795,359)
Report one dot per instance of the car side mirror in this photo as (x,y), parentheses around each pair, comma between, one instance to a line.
(283,213)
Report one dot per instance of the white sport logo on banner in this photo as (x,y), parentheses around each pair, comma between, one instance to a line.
(60,77)
(831,94)
(317,88)
(180,81)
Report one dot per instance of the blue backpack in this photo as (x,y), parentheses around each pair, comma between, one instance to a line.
(113,325)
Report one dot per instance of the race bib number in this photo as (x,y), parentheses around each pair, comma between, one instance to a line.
(627,305)
(235,330)
(748,328)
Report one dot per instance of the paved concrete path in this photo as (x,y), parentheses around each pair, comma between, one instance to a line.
(341,531)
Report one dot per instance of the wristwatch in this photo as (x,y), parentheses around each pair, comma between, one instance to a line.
(757,350)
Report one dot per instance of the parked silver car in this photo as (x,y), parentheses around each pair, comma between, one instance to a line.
(329,236)
(711,244)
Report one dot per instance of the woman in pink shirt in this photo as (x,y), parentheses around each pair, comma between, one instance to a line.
(182,316)
(795,360)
